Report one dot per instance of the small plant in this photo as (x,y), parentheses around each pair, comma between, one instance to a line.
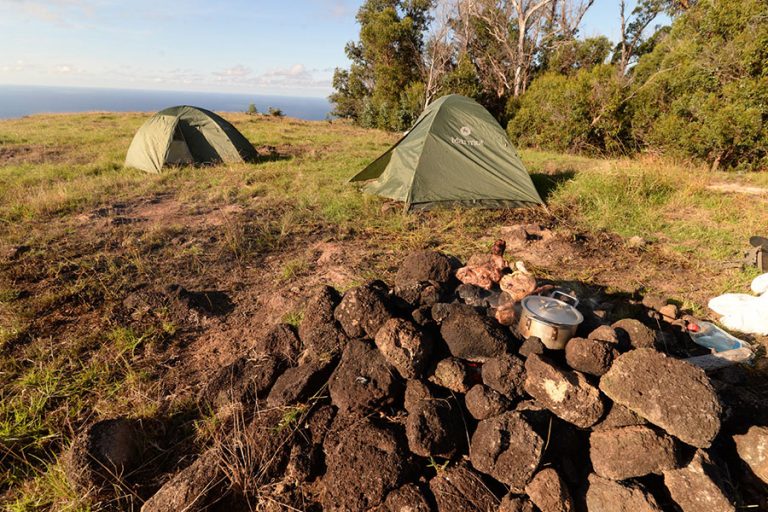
(436,466)
(252,111)
(293,318)
(294,268)
(126,340)
(275,112)
(290,417)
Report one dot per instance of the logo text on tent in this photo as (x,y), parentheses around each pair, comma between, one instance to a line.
(465,131)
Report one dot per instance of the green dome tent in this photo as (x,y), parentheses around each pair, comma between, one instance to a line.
(456,153)
(186,135)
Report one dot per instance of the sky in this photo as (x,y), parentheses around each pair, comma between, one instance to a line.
(282,47)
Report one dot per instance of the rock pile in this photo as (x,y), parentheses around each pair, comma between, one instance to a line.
(405,398)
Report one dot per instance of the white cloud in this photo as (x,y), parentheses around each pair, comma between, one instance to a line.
(17,67)
(236,71)
(294,76)
(297,71)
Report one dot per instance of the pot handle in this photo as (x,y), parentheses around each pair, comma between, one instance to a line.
(574,300)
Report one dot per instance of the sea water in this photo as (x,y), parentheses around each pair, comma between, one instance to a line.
(22,100)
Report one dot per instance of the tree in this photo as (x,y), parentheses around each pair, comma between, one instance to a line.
(633,26)
(571,55)
(440,50)
(386,62)
(518,31)
(252,109)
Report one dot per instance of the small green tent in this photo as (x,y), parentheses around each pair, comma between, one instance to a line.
(186,135)
(456,153)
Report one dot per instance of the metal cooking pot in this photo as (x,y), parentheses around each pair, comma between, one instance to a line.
(551,320)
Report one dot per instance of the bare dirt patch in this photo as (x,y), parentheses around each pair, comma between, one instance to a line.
(39,154)
(736,188)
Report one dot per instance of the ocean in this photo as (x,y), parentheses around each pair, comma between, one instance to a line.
(23,100)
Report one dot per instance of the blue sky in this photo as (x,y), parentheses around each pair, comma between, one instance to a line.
(258,46)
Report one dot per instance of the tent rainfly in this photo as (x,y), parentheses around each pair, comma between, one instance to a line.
(186,135)
(455,154)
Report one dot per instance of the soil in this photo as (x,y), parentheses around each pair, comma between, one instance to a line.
(208,284)
(39,154)
(738,189)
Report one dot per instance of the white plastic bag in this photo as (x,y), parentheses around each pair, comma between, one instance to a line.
(732,303)
(742,312)
(760,284)
(750,321)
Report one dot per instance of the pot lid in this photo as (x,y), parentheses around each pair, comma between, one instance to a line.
(551,310)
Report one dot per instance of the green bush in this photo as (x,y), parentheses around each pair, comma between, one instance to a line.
(585,112)
(703,91)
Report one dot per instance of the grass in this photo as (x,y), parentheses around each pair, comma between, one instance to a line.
(69,354)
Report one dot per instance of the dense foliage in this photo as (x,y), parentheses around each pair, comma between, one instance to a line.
(583,112)
(703,91)
(696,89)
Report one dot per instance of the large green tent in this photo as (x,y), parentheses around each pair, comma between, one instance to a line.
(456,153)
(186,135)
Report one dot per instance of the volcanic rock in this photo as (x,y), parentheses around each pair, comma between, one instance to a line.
(319,331)
(300,383)
(415,392)
(532,345)
(434,428)
(459,489)
(363,310)
(669,393)
(280,341)
(451,373)
(422,315)
(514,503)
(364,380)
(506,448)
(604,333)
(472,336)
(424,266)
(629,452)
(753,449)
(365,462)
(475,296)
(606,495)
(567,394)
(618,416)
(590,356)
(193,489)
(245,380)
(404,347)
(424,293)
(698,486)
(505,374)
(633,333)
(103,453)
(670,312)
(483,402)
(440,311)
(408,498)
(549,493)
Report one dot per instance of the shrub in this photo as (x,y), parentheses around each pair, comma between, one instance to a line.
(703,91)
(585,112)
